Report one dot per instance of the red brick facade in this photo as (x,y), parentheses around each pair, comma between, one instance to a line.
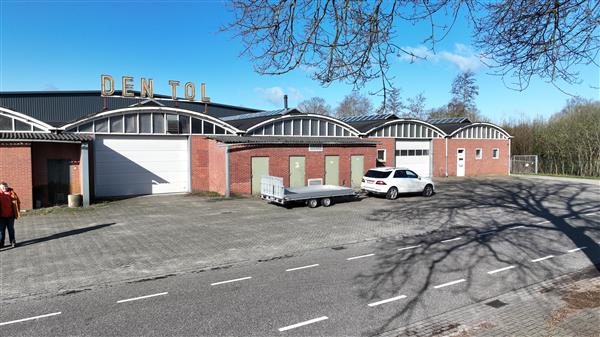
(389,145)
(208,163)
(15,169)
(484,166)
(439,157)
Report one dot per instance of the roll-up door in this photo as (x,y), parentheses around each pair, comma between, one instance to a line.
(135,165)
(415,155)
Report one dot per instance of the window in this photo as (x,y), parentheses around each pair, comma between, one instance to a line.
(5,123)
(131,123)
(21,126)
(478,154)
(116,124)
(158,123)
(377,174)
(411,152)
(381,155)
(404,152)
(101,125)
(400,174)
(172,124)
(411,174)
(495,153)
(145,123)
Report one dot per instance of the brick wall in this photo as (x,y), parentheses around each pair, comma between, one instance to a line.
(15,169)
(479,167)
(41,153)
(389,145)
(241,162)
(439,157)
(208,163)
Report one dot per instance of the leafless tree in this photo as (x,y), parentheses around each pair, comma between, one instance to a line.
(549,39)
(464,91)
(416,107)
(393,104)
(315,105)
(356,41)
(353,105)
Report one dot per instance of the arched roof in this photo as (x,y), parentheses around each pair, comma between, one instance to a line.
(43,127)
(353,131)
(142,109)
(493,126)
(404,121)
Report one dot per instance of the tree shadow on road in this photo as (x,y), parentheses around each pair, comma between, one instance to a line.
(498,222)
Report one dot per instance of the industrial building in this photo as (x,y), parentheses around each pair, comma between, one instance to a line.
(53,144)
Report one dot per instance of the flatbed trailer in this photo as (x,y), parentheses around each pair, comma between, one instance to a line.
(272,190)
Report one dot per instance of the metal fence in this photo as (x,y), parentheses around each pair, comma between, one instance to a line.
(524,164)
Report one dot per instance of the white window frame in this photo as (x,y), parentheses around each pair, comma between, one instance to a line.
(497,150)
(480,154)
(384,155)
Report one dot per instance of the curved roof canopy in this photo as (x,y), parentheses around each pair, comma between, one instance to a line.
(12,121)
(154,120)
(302,124)
(406,128)
(480,131)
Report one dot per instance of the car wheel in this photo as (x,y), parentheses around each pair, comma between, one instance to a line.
(326,202)
(392,193)
(312,203)
(428,191)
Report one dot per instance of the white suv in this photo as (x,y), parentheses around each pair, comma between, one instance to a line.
(394,180)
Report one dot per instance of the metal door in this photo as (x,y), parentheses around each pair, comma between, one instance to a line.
(357,170)
(460,162)
(260,168)
(332,170)
(297,165)
(59,181)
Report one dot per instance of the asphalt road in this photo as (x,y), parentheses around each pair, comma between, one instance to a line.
(359,289)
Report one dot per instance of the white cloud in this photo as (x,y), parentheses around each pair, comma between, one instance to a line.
(50,87)
(463,56)
(274,95)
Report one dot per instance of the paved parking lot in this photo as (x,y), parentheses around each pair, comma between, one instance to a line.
(151,236)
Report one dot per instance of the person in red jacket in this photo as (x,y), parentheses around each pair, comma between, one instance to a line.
(10,209)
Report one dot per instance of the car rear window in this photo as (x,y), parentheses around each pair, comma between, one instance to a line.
(377,174)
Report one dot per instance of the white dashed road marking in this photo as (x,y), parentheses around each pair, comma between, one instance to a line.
(359,257)
(141,297)
(499,270)
(450,283)
(386,301)
(576,249)
(311,321)
(517,227)
(304,267)
(30,318)
(229,281)
(410,247)
(543,258)
(449,240)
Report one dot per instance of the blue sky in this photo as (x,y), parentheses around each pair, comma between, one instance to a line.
(67,45)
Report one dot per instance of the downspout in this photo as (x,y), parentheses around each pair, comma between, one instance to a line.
(509,159)
(227,189)
(446,138)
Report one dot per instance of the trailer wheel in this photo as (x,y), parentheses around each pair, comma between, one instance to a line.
(312,203)
(326,202)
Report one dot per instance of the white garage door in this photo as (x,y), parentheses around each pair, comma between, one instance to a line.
(140,165)
(415,155)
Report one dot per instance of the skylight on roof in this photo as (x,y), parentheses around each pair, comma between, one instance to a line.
(255,115)
(363,118)
(451,120)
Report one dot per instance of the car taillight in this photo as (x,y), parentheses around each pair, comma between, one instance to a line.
(380,182)
(362,180)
